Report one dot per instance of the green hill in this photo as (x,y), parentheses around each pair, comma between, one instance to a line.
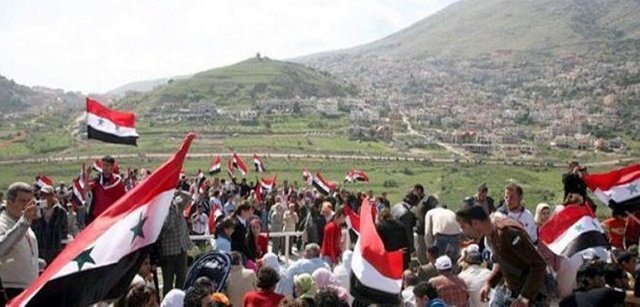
(246,82)
(470,28)
(13,96)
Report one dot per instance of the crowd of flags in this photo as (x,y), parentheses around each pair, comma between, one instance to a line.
(113,246)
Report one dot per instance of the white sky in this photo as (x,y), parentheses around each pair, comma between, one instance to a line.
(98,45)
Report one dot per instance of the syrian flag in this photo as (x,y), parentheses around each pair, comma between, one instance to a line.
(571,230)
(44,181)
(352,218)
(618,189)
(307,176)
(258,164)
(268,184)
(110,126)
(216,165)
(79,194)
(322,185)
(239,164)
(100,263)
(356,175)
(230,169)
(376,275)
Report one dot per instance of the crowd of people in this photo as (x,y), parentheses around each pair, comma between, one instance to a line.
(483,254)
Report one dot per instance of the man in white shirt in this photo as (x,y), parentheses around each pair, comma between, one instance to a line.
(442,230)
(199,221)
(514,209)
(18,244)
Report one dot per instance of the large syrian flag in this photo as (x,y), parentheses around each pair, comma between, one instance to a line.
(618,189)
(258,164)
(356,175)
(239,164)
(322,185)
(100,263)
(376,274)
(571,230)
(110,126)
(216,165)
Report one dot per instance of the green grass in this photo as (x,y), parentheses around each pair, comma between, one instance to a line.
(451,183)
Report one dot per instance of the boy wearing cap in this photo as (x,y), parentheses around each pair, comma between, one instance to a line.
(451,288)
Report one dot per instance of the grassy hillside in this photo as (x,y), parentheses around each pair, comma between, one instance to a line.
(248,81)
(470,28)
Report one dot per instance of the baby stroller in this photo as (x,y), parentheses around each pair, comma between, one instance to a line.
(213,264)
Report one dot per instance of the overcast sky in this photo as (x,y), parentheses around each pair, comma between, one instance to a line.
(95,46)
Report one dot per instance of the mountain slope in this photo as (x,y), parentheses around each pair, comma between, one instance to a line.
(470,28)
(248,81)
(15,97)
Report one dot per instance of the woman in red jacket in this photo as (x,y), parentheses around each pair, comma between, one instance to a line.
(257,244)
(265,296)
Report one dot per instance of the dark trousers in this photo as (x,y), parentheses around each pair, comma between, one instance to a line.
(174,268)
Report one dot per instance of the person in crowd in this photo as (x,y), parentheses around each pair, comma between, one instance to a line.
(628,262)
(257,245)
(393,235)
(543,214)
(442,230)
(309,263)
(144,275)
(512,250)
(238,237)
(314,224)
(141,295)
(18,243)
(265,295)
(199,221)
(427,295)
(277,225)
(285,285)
(51,228)
(106,188)
(240,280)
(483,199)
(230,205)
(591,289)
(514,209)
(72,220)
(342,272)
(198,297)
(462,263)
(615,277)
(290,220)
(409,281)
(223,234)
(174,298)
(403,214)
(451,288)
(474,276)
(572,180)
(331,247)
(305,288)
(324,279)
(327,211)
(616,227)
(428,270)
(174,243)
(425,203)
(328,298)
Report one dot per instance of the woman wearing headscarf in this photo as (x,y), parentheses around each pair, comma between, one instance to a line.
(305,288)
(285,285)
(325,279)
(342,272)
(543,214)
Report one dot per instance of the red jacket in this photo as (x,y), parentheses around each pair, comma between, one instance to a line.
(331,242)
(105,194)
